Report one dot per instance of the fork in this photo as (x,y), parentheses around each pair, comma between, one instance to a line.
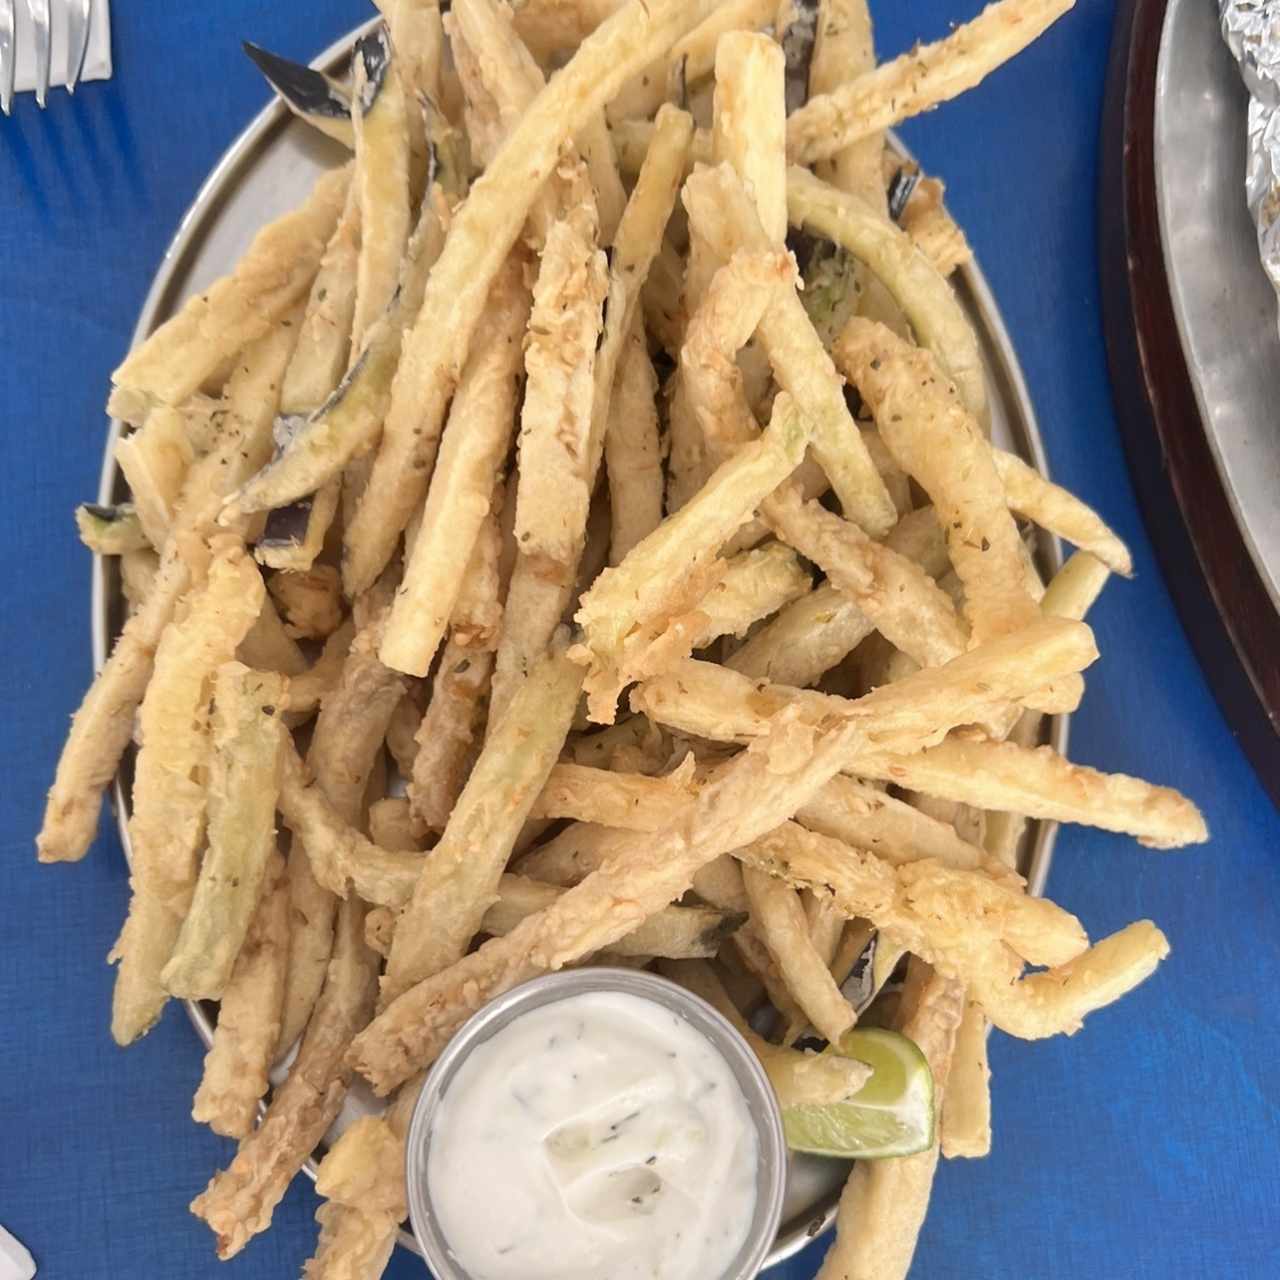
(77,15)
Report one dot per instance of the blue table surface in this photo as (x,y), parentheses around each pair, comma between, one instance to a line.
(1145,1146)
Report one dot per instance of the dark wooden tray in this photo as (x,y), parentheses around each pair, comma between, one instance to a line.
(1221,598)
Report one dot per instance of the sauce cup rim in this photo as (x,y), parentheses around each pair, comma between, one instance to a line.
(721,1035)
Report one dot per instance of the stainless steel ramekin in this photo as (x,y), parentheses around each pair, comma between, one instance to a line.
(747,1071)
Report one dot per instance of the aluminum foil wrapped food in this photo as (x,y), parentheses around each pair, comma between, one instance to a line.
(1251,29)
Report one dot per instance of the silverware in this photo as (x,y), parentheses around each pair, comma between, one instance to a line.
(77,14)
(8,54)
(39,11)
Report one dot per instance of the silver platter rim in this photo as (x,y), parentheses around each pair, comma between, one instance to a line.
(1003,369)
(1223,306)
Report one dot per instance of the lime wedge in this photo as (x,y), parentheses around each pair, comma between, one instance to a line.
(891,1115)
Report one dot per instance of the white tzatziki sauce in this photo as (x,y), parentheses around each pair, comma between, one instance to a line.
(596,1137)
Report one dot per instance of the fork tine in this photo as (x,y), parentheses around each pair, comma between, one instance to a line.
(39,11)
(8,55)
(77,40)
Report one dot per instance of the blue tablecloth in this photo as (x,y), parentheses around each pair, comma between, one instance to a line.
(1143,1147)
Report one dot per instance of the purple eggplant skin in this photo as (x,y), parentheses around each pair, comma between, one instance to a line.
(374,50)
(287,526)
(108,515)
(804,247)
(798,41)
(339,393)
(681,94)
(283,430)
(859,987)
(308,91)
(901,186)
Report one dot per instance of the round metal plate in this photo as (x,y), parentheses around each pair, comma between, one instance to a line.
(270,168)
(1223,304)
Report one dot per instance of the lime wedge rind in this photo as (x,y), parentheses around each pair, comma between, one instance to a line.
(891,1115)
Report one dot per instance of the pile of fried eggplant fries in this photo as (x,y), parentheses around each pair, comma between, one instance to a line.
(576,528)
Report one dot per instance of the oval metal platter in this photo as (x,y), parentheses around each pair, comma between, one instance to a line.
(1190,326)
(269,169)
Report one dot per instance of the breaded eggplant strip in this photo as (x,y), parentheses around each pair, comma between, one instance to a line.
(723,214)
(485,228)
(380,117)
(244,783)
(459,877)
(275,272)
(713,702)
(633,449)
(925,297)
(167,827)
(747,797)
(553,494)
(630,606)
(239,1201)
(347,424)
(938,443)
(236,1067)
(101,728)
(883,1205)
(347,741)
(474,445)
(920,79)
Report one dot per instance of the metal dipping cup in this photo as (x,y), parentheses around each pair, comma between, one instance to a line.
(761,1103)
